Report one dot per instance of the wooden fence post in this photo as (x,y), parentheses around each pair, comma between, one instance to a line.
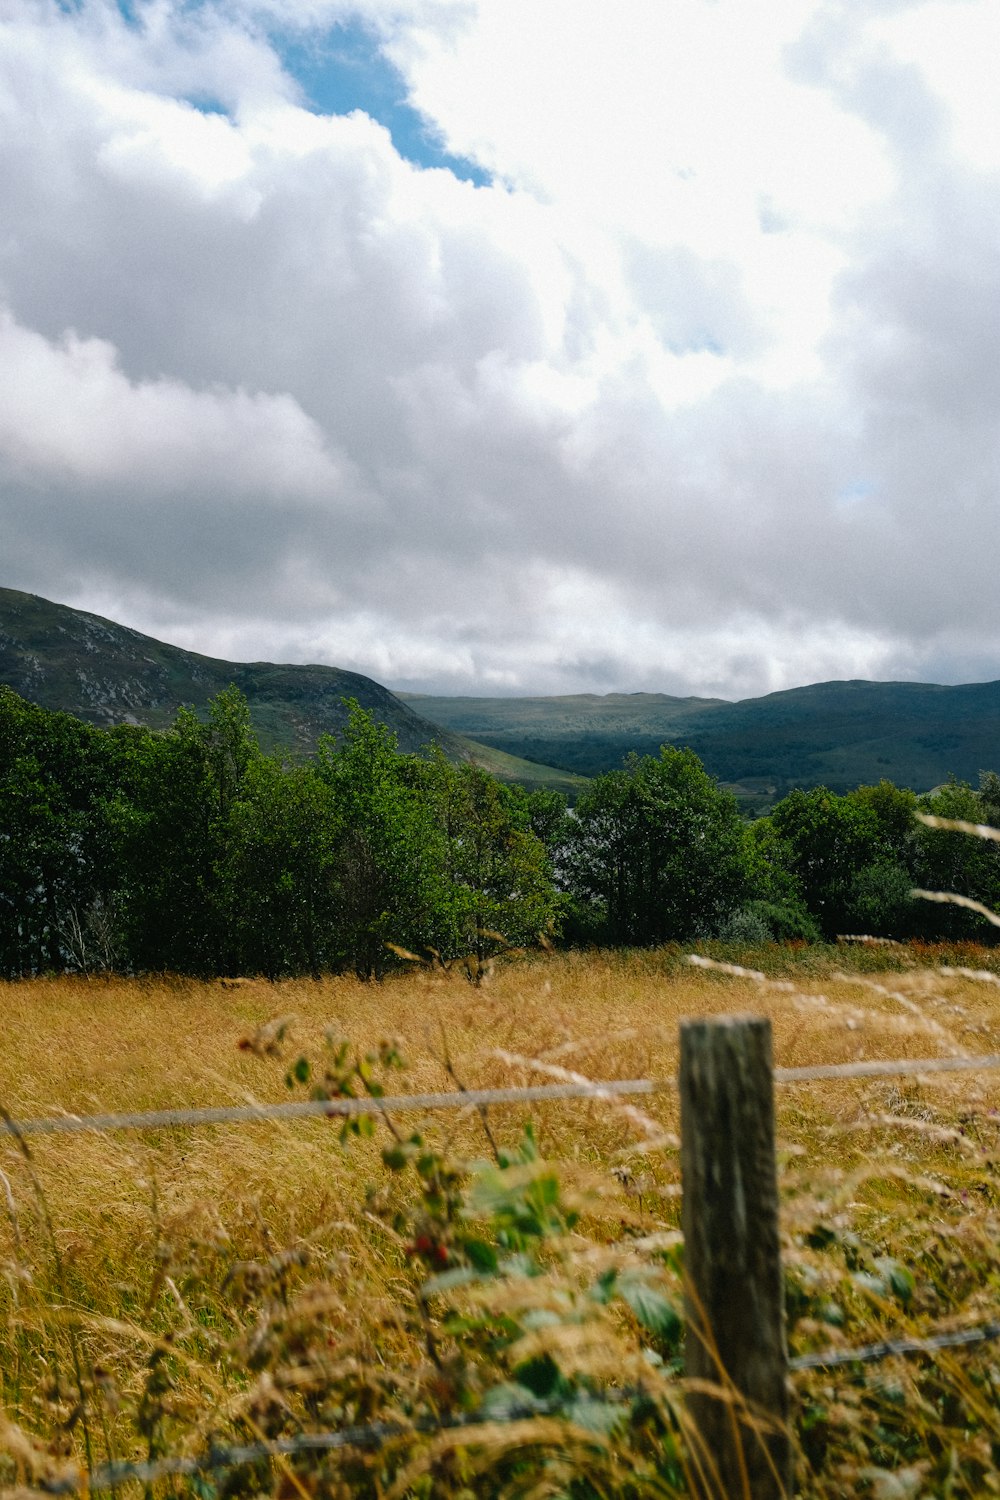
(735,1337)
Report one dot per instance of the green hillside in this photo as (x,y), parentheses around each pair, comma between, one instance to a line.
(107,673)
(838,733)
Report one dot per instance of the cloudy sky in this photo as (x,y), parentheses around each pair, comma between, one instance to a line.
(506,346)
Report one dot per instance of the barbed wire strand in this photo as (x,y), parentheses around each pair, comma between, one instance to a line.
(304,1109)
(869,1353)
(889,1068)
(114,1475)
(242,1114)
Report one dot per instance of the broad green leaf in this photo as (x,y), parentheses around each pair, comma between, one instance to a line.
(482,1255)
(594,1415)
(900,1279)
(506,1402)
(652,1309)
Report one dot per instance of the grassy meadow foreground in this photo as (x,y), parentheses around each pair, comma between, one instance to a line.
(483,1290)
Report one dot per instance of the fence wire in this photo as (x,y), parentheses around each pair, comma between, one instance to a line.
(613,1088)
(114,1475)
(305,1109)
(870,1353)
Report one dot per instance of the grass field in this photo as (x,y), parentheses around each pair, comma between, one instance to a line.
(168,1289)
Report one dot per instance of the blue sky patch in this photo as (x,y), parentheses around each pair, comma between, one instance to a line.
(345,70)
(856,492)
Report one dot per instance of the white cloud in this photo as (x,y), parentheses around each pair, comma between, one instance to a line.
(955,45)
(700,394)
(67,410)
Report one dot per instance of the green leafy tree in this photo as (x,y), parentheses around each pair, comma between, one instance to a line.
(878,895)
(388,884)
(776,902)
(958,862)
(657,852)
(827,840)
(892,808)
(170,824)
(52,776)
(279,871)
(550,819)
(856,857)
(989,798)
(230,746)
(499,873)
(162,827)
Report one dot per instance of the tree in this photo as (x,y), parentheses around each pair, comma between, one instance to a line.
(169,828)
(989,797)
(162,831)
(53,773)
(279,872)
(878,898)
(502,889)
(388,883)
(190,850)
(827,839)
(776,901)
(957,862)
(657,852)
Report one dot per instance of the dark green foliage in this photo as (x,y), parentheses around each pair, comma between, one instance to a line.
(192,850)
(947,861)
(163,822)
(835,733)
(279,871)
(388,883)
(656,853)
(854,859)
(55,775)
(497,864)
(827,840)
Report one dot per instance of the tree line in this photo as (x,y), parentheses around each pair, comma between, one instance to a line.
(191,850)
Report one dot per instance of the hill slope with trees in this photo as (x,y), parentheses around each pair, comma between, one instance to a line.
(189,849)
(106,673)
(837,734)
(73,662)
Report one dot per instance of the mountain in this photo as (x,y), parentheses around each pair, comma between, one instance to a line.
(107,674)
(840,734)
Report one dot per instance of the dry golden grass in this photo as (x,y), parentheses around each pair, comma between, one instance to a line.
(147,1226)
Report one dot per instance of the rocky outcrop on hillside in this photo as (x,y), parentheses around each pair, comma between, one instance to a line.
(106,673)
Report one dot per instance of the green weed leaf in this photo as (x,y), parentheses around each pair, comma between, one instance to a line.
(651,1308)
(898,1277)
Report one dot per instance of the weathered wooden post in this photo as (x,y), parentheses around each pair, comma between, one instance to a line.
(735,1338)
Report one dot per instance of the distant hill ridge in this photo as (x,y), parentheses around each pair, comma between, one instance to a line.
(106,673)
(841,734)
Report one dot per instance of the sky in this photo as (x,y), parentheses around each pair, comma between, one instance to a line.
(509,346)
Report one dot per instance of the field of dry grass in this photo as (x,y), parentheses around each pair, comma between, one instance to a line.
(125,1254)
